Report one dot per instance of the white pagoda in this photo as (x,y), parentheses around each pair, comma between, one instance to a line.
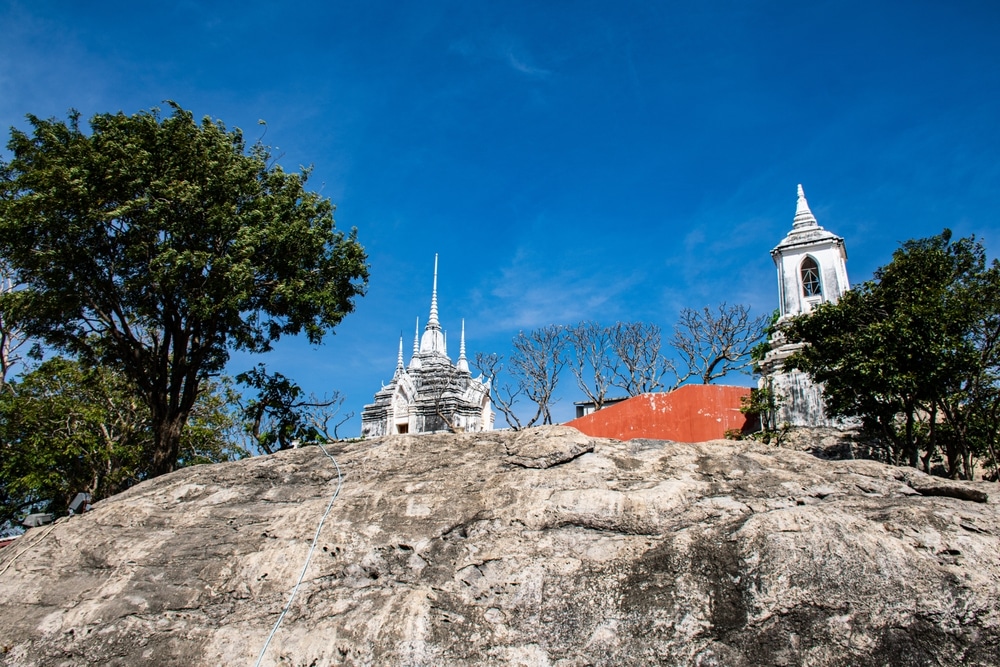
(431,393)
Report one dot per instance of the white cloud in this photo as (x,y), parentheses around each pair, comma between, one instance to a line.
(521,64)
(499,48)
(534,291)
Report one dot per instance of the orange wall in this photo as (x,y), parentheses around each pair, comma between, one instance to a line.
(692,413)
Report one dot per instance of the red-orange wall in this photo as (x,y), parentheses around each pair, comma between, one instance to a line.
(692,413)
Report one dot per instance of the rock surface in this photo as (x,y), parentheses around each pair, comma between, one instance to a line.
(544,547)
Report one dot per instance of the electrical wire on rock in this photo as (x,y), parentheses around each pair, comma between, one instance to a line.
(319,528)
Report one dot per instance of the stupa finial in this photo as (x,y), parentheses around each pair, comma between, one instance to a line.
(803,216)
(463,363)
(432,321)
(433,339)
(415,360)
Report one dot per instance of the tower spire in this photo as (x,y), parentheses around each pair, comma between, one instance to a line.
(803,216)
(463,363)
(399,359)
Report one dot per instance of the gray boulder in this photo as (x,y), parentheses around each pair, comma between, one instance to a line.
(544,547)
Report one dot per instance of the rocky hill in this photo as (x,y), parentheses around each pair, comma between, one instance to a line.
(544,547)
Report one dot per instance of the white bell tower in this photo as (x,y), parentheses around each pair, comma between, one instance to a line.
(811,263)
(812,269)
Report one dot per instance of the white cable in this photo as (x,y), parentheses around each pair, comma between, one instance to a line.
(27,548)
(340,483)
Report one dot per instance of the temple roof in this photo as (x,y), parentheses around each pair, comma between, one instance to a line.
(432,393)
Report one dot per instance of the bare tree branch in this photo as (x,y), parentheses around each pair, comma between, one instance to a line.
(319,412)
(593,362)
(447,410)
(713,344)
(535,364)
(504,396)
(637,346)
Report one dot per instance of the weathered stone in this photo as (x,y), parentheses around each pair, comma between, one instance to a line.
(535,548)
(935,486)
(546,446)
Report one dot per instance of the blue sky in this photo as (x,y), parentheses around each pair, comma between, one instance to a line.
(567,160)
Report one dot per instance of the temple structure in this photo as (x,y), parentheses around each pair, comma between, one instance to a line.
(812,269)
(431,393)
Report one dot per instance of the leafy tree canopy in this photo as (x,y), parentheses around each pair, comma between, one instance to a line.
(155,245)
(916,343)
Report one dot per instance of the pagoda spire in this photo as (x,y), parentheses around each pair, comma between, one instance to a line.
(803,216)
(432,322)
(399,359)
(415,360)
(463,363)
(433,339)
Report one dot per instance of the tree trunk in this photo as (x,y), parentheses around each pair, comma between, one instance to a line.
(166,443)
(968,464)
(891,436)
(952,454)
(913,452)
(931,440)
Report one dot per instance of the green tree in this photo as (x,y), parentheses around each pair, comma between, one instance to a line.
(761,406)
(157,244)
(214,427)
(66,428)
(970,400)
(913,353)
(13,344)
(280,413)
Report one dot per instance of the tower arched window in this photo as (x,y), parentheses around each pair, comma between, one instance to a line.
(810,278)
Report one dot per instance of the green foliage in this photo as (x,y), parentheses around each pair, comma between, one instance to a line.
(916,345)
(155,245)
(762,404)
(214,427)
(65,428)
(272,417)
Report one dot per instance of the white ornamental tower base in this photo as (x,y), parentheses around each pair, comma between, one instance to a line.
(812,269)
